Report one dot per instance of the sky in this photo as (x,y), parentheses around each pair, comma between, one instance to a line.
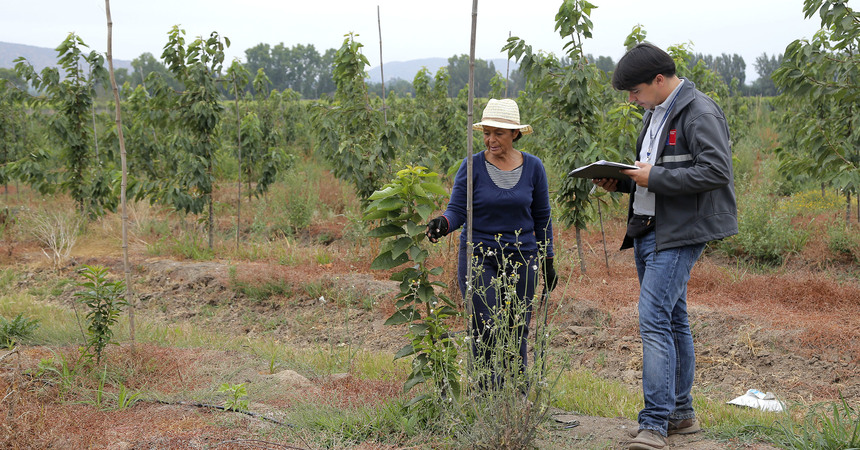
(410,29)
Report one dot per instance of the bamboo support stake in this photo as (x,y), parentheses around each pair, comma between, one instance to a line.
(507,70)
(381,72)
(129,297)
(238,183)
(469,181)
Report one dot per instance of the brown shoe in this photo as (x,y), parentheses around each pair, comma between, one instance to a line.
(647,440)
(683,426)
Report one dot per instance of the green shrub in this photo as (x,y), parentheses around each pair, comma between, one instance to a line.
(104,300)
(765,233)
(844,239)
(16,330)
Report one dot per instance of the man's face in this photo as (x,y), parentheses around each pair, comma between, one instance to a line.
(648,95)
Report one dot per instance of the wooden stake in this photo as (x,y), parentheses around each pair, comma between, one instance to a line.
(239,183)
(469,181)
(129,297)
(381,72)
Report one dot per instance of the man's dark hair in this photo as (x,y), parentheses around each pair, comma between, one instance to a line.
(640,65)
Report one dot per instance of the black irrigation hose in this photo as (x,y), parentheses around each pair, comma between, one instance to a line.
(256,443)
(223,408)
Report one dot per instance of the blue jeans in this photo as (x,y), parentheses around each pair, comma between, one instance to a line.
(668,360)
(516,270)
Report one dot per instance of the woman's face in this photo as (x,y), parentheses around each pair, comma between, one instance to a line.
(499,140)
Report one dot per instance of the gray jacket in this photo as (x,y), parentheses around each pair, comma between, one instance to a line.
(692,179)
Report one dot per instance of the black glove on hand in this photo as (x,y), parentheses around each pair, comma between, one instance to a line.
(437,228)
(550,279)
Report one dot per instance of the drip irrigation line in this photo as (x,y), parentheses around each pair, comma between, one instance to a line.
(223,408)
(256,443)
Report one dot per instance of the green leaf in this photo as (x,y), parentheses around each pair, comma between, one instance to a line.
(424,211)
(386,231)
(419,329)
(402,316)
(425,292)
(374,215)
(414,379)
(404,352)
(414,400)
(391,204)
(384,261)
(386,192)
(400,246)
(434,188)
(418,254)
(413,229)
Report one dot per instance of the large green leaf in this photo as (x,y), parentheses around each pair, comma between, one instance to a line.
(405,351)
(413,229)
(434,188)
(414,379)
(419,329)
(388,191)
(384,261)
(390,204)
(386,231)
(374,215)
(400,246)
(425,292)
(404,315)
(425,211)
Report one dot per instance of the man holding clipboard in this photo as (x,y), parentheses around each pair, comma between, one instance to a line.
(681,197)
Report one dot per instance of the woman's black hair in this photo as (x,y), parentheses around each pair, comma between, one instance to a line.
(640,65)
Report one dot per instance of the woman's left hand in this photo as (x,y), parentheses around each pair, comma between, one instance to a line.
(550,279)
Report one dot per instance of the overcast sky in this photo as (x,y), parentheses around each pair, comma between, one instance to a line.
(410,29)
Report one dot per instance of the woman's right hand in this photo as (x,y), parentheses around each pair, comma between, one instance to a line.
(437,228)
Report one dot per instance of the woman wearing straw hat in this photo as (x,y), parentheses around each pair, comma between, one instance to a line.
(512,234)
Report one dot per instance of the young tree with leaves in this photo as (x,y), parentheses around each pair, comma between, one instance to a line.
(198,66)
(352,136)
(569,94)
(72,97)
(821,89)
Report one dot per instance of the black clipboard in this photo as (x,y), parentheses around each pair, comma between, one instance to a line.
(602,169)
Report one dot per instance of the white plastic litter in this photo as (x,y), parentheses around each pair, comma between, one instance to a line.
(764,401)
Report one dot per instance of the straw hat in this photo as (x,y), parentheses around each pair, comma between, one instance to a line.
(502,113)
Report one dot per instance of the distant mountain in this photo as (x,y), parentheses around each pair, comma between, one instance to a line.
(39,57)
(406,70)
(42,57)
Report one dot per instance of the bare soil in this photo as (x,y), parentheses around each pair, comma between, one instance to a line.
(792,331)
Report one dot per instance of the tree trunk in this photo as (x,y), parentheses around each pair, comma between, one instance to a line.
(129,297)
(211,221)
(579,251)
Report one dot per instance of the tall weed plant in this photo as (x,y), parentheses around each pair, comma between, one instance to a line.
(765,233)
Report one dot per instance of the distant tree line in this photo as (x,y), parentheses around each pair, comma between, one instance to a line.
(306,71)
